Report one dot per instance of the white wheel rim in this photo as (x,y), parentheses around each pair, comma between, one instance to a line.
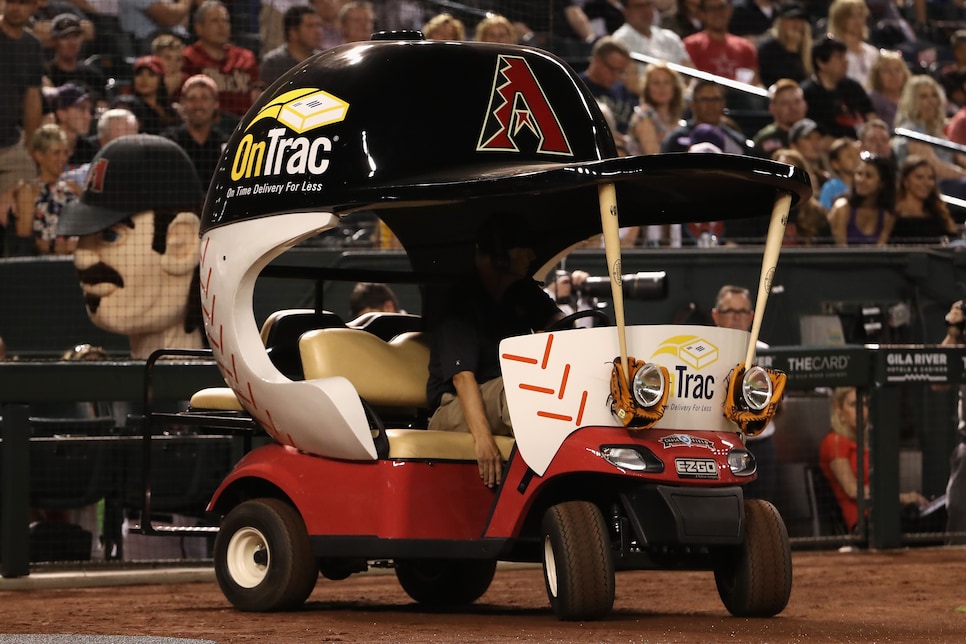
(549,566)
(248,557)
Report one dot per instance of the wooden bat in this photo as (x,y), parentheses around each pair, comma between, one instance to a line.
(773,246)
(607,195)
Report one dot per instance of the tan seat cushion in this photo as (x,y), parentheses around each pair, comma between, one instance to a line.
(449,446)
(386,374)
(217,398)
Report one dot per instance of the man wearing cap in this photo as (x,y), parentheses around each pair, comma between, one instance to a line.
(786,103)
(805,137)
(497,300)
(836,102)
(199,136)
(20,103)
(775,59)
(137,257)
(66,66)
(74,113)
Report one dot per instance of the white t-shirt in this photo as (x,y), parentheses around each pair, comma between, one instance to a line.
(662,43)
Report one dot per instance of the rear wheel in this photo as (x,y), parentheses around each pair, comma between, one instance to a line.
(442,582)
(263,560)
(578,563)
(755,578)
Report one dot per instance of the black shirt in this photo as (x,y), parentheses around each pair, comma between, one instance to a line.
(775,62)
(838,112)
(203,156)
(22,68)
(467,336)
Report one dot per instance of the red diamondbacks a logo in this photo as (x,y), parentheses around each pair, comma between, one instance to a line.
(516,102)
(95,176)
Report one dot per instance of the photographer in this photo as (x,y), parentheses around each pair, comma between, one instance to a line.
(566,290)
(956,488)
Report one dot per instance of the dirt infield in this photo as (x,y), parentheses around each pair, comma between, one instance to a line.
(889,596)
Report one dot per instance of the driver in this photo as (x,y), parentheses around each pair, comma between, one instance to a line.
(498,299)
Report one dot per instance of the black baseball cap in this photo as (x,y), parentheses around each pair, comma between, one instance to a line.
(128,176)
(65,24)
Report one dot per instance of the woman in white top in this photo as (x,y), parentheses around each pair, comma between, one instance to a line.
(848,21)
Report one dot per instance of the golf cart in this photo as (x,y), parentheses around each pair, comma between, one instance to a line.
(629,440)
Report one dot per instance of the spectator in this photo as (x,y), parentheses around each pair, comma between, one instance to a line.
(642,37)
(233,68)
(921,215)
(74,113)
(112,124)
(921,110)
(199,135)
(867,215)
(498,299)
(874,137)
(707,106)
(444,26)
(809,218)
(805,137)
(843,157)
(836,102)
(848,22)
(605,16)
(496,28)
(328,11)
(886,79)
(48,196)
(369,297)
(137,257)
(356,21)
(786,103)
(66,66)
(838,457)
(21,108)
(953,75)
(716,51)
(659,111)
(303,33)
(399,15)
(170,49)
(144,20)
(686,18)
(956,129)
(609,62)
(157,112)
(271,30)
(42,21)
(752,18)
(733,310)
(786,50)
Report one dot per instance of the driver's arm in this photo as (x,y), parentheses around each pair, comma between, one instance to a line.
(488,455)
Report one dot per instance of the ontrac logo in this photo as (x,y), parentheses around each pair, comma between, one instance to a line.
(300,110)
(517,101)
(696,354)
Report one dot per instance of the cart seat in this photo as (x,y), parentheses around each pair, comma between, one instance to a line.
(430,444)
(216,399)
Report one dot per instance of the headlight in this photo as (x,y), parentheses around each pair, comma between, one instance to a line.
(756,388)
(742,462)
(648,384)
(631,458)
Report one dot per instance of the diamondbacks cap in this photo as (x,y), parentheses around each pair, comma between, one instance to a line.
(131,175)
(65,24)
(802,128)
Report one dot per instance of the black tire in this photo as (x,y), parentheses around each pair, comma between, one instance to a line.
(755,578)
(578,562)
(263,560)
(445,582)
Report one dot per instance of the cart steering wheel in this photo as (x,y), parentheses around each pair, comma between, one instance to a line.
(567,321)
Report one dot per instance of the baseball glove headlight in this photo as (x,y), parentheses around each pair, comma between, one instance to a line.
(648,385)
(742,462)
(756,388)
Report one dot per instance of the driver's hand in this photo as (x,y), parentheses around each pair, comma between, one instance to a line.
(490,461)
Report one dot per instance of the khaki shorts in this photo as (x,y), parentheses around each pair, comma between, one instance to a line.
(449,416)
(16,165)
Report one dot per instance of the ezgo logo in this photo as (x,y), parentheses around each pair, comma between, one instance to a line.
(300,110)
(696,354)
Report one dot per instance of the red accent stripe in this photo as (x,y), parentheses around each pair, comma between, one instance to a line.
(546,351)
(552,416)
(204,251)
(539,390)
(204,287)
(234,371)
(252,395)
(563,381)
(583,403)
(510,356)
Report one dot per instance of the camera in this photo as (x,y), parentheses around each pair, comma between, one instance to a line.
(638,286)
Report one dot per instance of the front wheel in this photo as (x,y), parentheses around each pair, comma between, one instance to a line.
(263,559)
(755,578)
(445,583)
(578,562)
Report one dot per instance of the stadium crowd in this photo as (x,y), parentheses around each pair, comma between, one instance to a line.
(839,78)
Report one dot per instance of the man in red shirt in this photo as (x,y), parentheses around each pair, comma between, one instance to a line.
(234,69)
(716,51)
